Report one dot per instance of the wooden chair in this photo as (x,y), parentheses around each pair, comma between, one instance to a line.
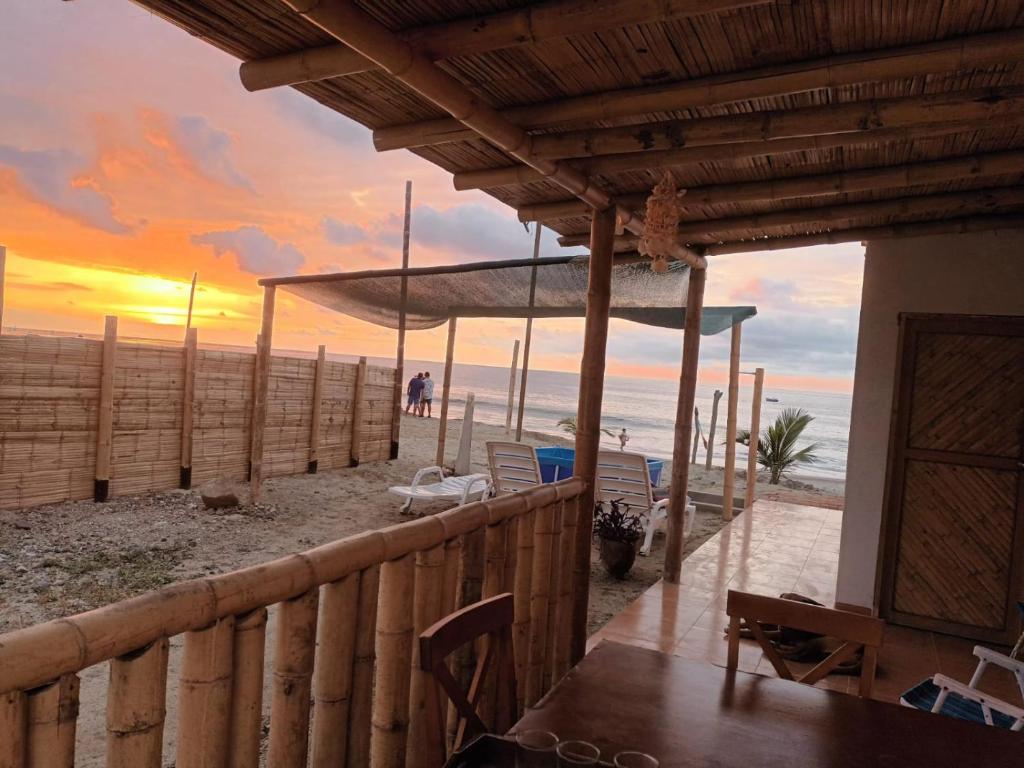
(855,631)
(491,618)
(514,467)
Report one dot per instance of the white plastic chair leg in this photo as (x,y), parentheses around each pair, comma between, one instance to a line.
(406,506)
(649,536)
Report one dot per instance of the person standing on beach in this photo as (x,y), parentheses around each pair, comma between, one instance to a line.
(428,394)
(623,439)
(414,392)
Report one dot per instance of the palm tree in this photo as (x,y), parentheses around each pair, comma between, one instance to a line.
(568,424)
(776,450)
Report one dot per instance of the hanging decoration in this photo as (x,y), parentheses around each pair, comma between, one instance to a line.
(661,224)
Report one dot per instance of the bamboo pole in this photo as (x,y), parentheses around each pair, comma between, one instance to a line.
(529,334)
(470,590)
(424,749)
(563,641)
(394,662)
(696,435)
(553,587)
(588,420)
(540,584)
(711,430)
(187,405)
(105,419)
(314,419)
(360,712)
(204,695)
(684,410)
(259,401)
(52,715)
(755,435)
(442,426)
(403,300)
(332,689)
(13,728)
(358,410)
(521,603)
(3,276)
(955,54)
(729,481)
(293,672)
(478,34)
(512,386)
(136,707)
(495,562)
(248,651)
(191,301)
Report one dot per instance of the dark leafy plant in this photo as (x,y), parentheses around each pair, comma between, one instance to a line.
(617,523)
(776,449)
(568,424)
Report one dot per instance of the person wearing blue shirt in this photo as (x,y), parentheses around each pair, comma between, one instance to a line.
(414,392)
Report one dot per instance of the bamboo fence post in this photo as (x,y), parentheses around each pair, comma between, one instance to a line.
(711,430)
(187,406)
(540,583)
(249,648)
(521,603)
(3,274)
(442,427)
(105,420)
(512,387)
(563,641)
(469,591)
(314,421)
(396,413)
(259,402)
(495,555)
(684,413)
(729,482)
(136,707)
(293,672)
(554,579)
(696,435)
(204,695)
(424,750)
(252,408)
(332,688)
(755,435)
(588,432)
(13,728)
(51,719)
(529,334)
(360,710)
(358,408)
(394,661)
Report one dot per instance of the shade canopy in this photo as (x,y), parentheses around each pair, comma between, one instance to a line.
(502,289)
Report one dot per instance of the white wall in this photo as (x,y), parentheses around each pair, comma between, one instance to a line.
(959,274)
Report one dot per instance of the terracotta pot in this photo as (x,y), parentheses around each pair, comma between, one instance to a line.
(618,556)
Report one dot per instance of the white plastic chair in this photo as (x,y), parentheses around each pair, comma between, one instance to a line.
(459,489)
(514,466)
(625,476)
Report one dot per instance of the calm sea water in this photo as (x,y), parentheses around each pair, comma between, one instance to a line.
(646,408)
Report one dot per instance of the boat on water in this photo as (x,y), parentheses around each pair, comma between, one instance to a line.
(771,399)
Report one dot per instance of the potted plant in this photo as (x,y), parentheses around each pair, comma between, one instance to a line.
(618,532)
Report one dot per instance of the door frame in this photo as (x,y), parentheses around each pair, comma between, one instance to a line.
(910,326)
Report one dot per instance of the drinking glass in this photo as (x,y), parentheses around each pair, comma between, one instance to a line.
(536,749)
(634,760)
(573,753)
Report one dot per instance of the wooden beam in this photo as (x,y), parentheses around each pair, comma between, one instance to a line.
(403,300)
(315,410)
(355,446)
(187,406)
(755,436)
(588,415)
(955,55)
(512,387)
(105,419)
(480,34)
(729,481)
(259,400)
(684,425)
(446,390)
(529,335)
(3,274)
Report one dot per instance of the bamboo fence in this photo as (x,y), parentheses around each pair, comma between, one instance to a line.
(53,396)
(344,686)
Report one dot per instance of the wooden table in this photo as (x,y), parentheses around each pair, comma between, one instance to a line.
(690,713)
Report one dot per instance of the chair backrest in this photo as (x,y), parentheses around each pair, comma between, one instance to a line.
(625,476)
(855,631)
(514,466)
(491,618)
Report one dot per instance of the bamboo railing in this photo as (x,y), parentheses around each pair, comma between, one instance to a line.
(344,662)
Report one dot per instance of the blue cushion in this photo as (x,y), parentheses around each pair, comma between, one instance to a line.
(923,695)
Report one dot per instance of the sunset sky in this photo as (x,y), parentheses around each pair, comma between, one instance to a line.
(131,156)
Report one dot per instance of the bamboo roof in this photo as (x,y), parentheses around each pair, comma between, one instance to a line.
(798,121)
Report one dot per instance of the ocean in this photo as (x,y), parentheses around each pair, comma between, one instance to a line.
(646,408)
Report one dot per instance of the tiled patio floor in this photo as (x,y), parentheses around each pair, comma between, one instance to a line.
(777,548)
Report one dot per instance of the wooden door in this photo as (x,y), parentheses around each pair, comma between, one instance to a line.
(954,522)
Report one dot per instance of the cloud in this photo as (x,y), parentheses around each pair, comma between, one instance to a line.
(53,178)
(320,119)
(254,250)
(340,233)
(208,148)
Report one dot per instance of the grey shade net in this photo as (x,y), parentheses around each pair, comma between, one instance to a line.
(502,289)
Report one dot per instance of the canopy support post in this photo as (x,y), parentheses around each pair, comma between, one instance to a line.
(684,425)
(396,412)
(259,402)
(588,417)
(711,430)
(755,433)
(729,483)
(442,427)
(528,337)
(512,387)
(3,270)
